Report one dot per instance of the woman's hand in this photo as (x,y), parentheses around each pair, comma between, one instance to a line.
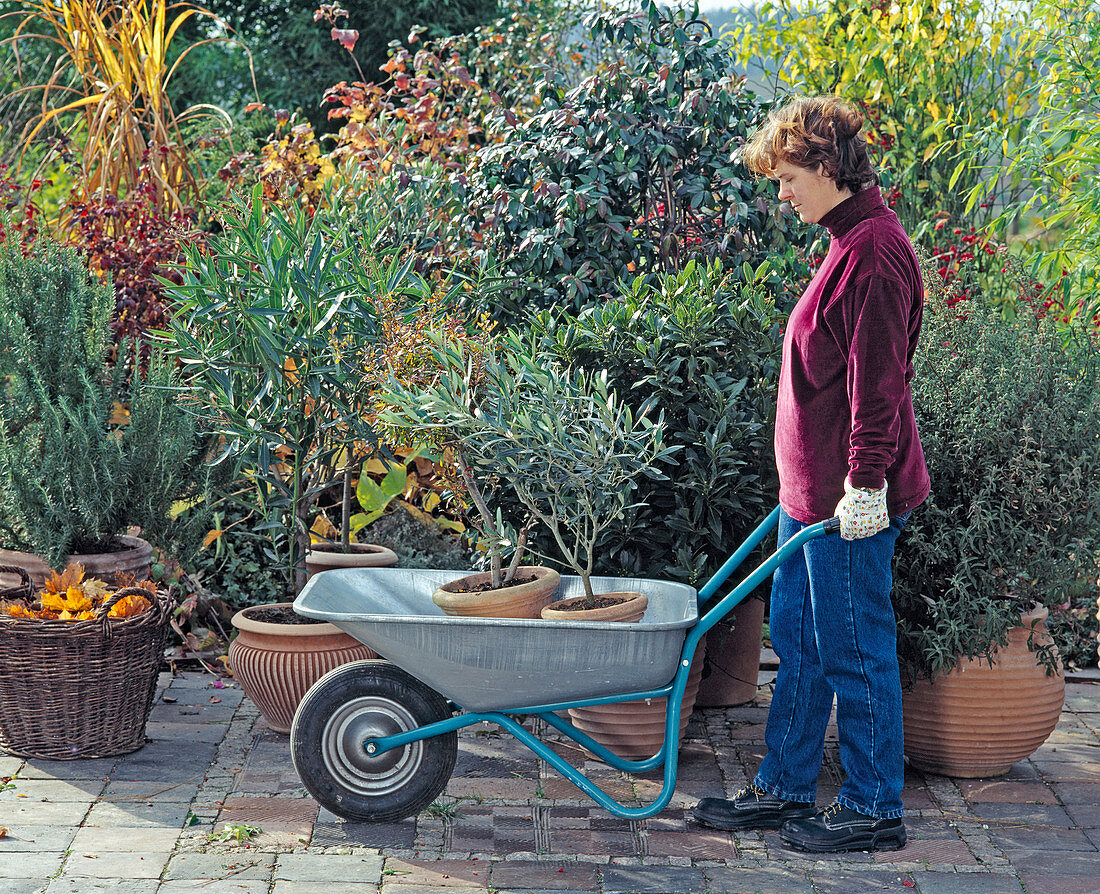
(862,512)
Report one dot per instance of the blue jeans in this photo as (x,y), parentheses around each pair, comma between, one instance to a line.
(832,625)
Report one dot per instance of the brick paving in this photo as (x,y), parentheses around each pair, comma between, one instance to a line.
(150,822)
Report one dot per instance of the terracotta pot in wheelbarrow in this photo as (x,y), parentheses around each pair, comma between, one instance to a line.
(634,730)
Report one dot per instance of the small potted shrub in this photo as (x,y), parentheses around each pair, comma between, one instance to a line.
(1009,415)
(271,323)
(564,444)
(440,391)
(90,448)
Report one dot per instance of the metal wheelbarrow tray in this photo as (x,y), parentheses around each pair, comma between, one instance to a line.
(377,740)
(498,664)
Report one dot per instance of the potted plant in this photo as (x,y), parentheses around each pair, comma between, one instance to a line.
(571,452)
(89,448)
(271,328)
(441,390)
(1009,415)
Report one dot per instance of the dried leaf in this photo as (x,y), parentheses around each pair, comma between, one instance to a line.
(346,37)
(76,601)
(128,606)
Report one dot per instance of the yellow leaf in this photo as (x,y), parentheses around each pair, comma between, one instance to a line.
(120,414)
(211,536)
(76,601)
(128,606)
(323,529)
(52,601)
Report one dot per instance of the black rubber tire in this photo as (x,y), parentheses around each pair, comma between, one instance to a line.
(349,705)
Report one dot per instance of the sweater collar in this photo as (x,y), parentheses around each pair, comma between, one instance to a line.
(841,219)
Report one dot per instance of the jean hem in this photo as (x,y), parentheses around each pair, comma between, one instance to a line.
(866,811)
(781,794)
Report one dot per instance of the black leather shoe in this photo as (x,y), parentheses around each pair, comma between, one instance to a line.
(837,829)
(751,808)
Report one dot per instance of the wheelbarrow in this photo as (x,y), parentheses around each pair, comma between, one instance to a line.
(376,741)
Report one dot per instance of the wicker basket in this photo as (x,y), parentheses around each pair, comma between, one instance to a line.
(79,689)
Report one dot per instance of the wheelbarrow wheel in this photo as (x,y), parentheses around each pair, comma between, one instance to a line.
(357,702)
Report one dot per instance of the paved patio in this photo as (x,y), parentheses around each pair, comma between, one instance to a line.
(143,823)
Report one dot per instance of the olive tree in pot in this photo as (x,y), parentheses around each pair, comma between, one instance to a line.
(572,453)
(89,448)
(441,392)
(272,325)
(1009,415)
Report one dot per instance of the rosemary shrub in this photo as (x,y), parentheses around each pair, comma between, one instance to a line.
(88,448)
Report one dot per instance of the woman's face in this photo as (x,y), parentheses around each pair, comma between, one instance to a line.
(810,192)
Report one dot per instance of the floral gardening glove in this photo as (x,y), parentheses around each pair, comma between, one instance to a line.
(862,512)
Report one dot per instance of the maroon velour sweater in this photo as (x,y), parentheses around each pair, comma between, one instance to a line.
(845,407)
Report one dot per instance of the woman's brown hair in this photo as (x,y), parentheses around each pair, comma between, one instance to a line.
(809,131)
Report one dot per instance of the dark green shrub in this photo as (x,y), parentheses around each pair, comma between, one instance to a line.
(86,449)
(1010,421)
(629,172)
(700,350)
(295,58)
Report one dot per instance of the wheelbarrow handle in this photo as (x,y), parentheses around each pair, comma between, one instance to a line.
(761,573)
(829,526)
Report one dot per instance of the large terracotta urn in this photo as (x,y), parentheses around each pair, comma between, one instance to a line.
(133,559)
(277,663)
(731,668)
(978,720)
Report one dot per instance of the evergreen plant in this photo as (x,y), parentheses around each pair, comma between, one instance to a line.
(88,448)
(1009,416)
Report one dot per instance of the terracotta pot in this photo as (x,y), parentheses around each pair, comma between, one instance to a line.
(731,668)
(979,720)
(519,601)
(634,730)
(325,556)
(630,607)
(276,664)
(135,558)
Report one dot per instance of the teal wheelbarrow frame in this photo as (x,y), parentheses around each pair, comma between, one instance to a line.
(374,741)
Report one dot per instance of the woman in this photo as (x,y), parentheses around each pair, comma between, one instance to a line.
(846,444)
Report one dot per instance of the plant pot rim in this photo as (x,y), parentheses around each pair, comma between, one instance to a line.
(542,574)
(130,542)
(360,555)
(565,608)
(327,547)
(243,622)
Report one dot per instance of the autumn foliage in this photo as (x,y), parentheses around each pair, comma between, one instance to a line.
(69,596)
